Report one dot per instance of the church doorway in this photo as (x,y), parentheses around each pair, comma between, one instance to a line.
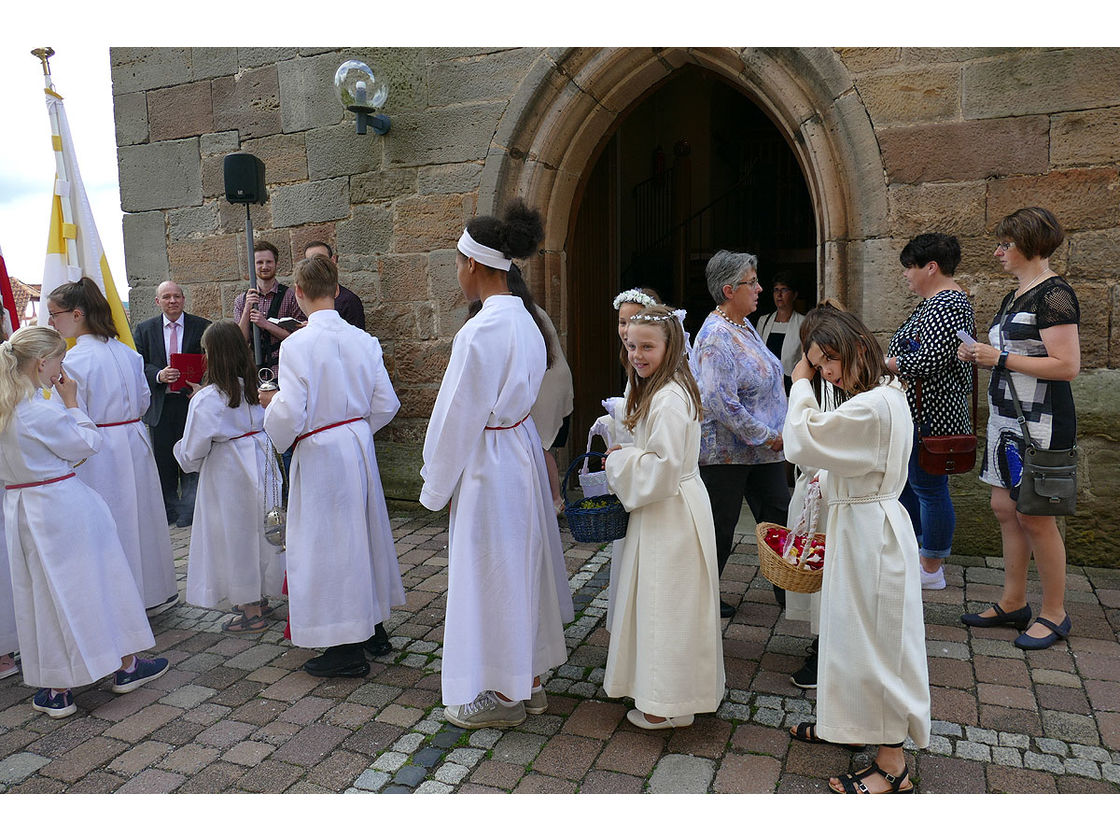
(691,168)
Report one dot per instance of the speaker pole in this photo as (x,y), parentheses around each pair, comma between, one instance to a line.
(258,354)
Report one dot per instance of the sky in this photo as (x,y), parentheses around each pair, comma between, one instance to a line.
(80,66)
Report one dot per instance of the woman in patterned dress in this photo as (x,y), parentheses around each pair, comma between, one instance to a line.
(1034,342)
(923,353)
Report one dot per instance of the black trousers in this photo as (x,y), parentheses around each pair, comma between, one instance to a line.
(178,487)
(762,485)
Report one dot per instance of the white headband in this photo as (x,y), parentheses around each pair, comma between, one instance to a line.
(481,253)
(634,296)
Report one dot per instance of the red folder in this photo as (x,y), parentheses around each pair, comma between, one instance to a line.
(191,367)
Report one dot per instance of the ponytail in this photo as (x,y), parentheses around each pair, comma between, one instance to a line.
(26,346)
(87,296)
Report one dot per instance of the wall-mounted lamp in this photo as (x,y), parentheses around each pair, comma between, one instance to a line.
(363,92)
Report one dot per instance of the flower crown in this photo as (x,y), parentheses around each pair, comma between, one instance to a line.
(634,296)
(678,314)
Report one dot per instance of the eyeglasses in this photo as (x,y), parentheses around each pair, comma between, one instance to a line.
(1004,246)
(59,312)
(782,290)
(752,284)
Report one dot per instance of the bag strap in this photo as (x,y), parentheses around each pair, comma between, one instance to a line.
(1019,416)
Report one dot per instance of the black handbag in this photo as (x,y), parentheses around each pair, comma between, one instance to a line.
(946,454)
(1049,483)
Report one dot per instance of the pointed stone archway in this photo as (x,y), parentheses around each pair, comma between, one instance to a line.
(572,99)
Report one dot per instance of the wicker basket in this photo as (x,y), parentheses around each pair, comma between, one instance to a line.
(778,571)
(598,524)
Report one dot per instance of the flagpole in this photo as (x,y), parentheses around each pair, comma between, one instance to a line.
(43,54)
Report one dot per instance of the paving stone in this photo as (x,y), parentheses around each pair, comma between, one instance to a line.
(372,780)
(682,774)
(432,786)
(390,761)
(270,777)
(1007,756)
(1014,739)
(1091,753)
(594,719)
(760,739)
(1010,780)
(1070,727)
(450,773)
(1038,761)
(600,781)
(1052,746)
(188,696)
(248,753)
(15,768)
(939,745)
(517,748)
(941,774)
(747,774)
(190,759)
(565,756)
(226,733)
(538,783)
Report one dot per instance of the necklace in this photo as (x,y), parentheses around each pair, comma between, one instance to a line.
(722,314)
(1033,282)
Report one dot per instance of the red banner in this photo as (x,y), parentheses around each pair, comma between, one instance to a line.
(6,293)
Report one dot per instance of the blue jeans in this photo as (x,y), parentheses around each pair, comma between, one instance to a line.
(926,499)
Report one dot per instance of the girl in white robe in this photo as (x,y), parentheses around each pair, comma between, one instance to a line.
(78,613)
(230,560)
(666,649)
(113,392)
(507,589)
(872,680)
(335,394)
(9,642)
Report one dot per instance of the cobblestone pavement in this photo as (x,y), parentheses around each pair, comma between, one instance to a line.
(240,715)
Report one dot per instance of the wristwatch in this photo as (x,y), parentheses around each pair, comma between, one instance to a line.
(1002,362)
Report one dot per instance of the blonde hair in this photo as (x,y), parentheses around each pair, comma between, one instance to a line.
(674,366)
(317,277)
(27,346)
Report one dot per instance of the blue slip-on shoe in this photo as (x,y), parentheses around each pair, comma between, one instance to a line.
(59,706)
(1057,631)
(1020,619)
(145,671)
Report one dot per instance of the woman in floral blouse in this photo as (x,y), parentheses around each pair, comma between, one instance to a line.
(923,352)
(744,405)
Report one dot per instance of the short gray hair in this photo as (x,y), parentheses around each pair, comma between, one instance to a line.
(727,268)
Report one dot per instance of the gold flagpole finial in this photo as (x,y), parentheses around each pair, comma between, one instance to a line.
(44,53)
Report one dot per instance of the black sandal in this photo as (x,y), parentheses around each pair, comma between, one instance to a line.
(267,609)
(807,733)
(853,782)
(245,625)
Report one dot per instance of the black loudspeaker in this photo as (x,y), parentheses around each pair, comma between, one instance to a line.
(244,179)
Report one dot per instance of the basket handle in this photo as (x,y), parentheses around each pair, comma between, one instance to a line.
(571,468)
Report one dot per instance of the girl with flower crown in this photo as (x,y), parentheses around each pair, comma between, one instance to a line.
(665,648)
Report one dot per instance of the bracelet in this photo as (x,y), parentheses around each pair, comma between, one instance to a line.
(1001,363)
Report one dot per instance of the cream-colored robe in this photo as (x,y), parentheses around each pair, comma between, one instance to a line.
(666,649)
(872,680)
(557,394)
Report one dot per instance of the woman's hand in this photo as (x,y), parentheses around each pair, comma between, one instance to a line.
(802,370)
(982,355)
(777,443)
(67,390)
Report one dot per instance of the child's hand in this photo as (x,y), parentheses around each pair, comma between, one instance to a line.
(266,397)
(195,388)
(802,370)
(614,448)
(67,390)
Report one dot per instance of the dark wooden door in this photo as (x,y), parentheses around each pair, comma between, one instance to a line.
(593,268)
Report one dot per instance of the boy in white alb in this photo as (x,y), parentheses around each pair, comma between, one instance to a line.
(334,395)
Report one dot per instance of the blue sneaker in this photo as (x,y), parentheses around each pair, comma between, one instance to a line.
(59,706)
(145,671)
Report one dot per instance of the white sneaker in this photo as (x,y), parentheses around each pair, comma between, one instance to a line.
(486,711)
(933,580)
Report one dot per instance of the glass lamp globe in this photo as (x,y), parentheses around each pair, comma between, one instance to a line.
(360,90)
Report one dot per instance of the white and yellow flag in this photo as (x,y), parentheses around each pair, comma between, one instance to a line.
(73,246)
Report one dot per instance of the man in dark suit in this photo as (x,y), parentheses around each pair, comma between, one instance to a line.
(173,331)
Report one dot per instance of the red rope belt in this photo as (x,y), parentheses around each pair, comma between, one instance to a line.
(39,483)
(247,434)
(324,428)
(503,428)
(118,423)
